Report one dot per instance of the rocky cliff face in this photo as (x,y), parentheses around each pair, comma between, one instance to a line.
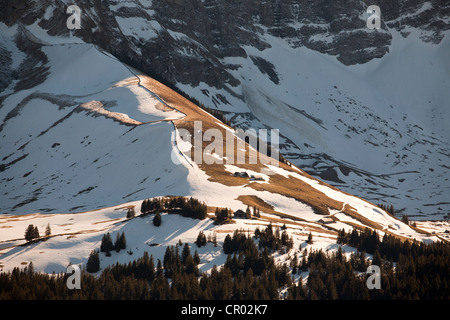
(287,64)
(175,34)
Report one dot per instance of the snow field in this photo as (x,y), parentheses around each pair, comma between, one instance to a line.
(80,161)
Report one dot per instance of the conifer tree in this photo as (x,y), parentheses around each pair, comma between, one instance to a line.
(247,213)
(121,242)
(144,206)
(294,264)
(48,230)
(116,243)
(159,268)
(221,215)
(190,266)
(30,269)
(201,239)
(29,233)
(391,210)
(93,263)
(214,239)
(405,219)
(310,238)
(377,259)
(196,258)
(107,243)
(32,232)
(130,213)
(185,253)
(304,264)
(228,244)
(341,238)
(157,220)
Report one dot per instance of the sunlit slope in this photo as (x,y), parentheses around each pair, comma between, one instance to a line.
(87,135)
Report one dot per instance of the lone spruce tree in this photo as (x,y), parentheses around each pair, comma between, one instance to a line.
(48,230)
(310,238)
(201,239)
(157,220)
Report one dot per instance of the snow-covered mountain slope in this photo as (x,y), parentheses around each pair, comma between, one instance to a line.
(91,137)
(88,136)
(74,236)
(378,130)
(366,110)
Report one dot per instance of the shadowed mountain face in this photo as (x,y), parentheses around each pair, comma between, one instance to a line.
(363,109)
(164,36)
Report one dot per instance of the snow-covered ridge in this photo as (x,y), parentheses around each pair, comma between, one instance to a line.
(382,132)
(92,140)
(67,142)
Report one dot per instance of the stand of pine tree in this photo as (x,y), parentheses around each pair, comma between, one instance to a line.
(187,207)
(421,271)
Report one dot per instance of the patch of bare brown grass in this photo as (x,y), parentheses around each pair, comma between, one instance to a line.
(350,211)
(287,186)
(255,201)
